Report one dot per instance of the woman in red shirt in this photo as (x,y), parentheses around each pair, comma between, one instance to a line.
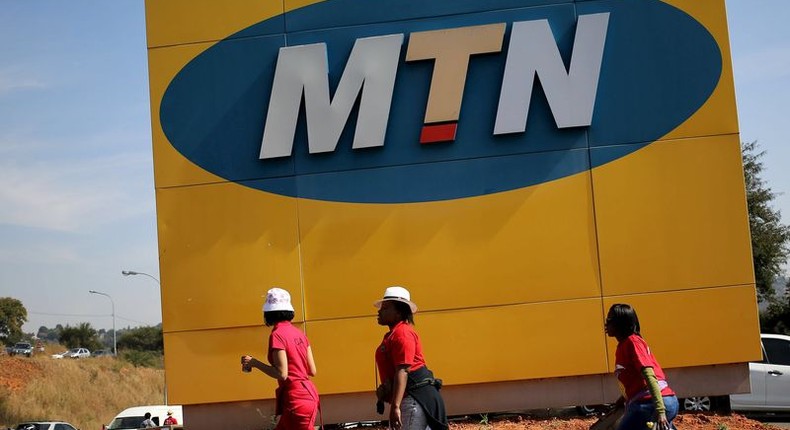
(406,383)
(646,393)
(292,364)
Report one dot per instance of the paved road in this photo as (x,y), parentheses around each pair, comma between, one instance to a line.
(781,421)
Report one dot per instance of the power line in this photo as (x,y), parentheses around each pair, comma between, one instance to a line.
(69,315)
(87,316)
(131,320)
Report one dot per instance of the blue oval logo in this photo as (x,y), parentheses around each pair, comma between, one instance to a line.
(659,66)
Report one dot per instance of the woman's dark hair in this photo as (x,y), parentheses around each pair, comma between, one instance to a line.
(624,319)
(273,317)
(405,311)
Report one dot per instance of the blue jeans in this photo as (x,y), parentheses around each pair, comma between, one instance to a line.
(412,416)
(637,415)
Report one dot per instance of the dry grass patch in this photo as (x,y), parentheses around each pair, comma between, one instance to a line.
(85,392)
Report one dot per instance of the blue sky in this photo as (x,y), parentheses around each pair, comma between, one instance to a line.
(76,182)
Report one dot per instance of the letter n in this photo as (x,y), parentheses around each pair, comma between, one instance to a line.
(533,52)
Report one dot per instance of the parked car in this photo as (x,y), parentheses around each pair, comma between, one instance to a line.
(769,379)
(78,353)
(60,354)
(101,353)
(22,348)
(45,425)
(131,418)
(588,410)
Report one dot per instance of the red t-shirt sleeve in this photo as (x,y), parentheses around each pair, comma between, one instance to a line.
(276,341)
(402,349)
(641,355)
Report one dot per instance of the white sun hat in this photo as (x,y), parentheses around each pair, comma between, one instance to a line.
(277,299)
(397,294)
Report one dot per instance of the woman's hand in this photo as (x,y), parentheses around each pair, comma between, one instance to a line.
(395,417)
(663,424)
(246,363)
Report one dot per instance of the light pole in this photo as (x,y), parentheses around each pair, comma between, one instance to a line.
(114,344)
(132,273)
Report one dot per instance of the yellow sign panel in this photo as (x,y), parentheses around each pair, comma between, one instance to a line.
(516,199)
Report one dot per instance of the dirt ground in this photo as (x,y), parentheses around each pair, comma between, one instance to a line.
(14,374)
(685,421)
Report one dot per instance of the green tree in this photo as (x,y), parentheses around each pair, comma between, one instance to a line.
(776,319)
(142,339)
(770,237)
(12,316)
(81,336)
(47,334)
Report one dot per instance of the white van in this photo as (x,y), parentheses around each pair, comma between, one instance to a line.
(132,418)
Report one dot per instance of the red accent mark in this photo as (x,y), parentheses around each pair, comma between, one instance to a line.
(438,133)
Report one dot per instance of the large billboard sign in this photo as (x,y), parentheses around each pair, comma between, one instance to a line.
(519,165)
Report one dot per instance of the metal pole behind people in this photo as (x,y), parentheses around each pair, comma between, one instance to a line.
(114,344)
(133,273)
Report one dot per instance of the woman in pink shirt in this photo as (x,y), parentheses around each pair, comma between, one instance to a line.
(291,364)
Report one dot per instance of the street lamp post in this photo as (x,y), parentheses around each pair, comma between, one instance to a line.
(132,273)
(114,344)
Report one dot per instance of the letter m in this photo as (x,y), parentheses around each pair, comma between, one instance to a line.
(303,70)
